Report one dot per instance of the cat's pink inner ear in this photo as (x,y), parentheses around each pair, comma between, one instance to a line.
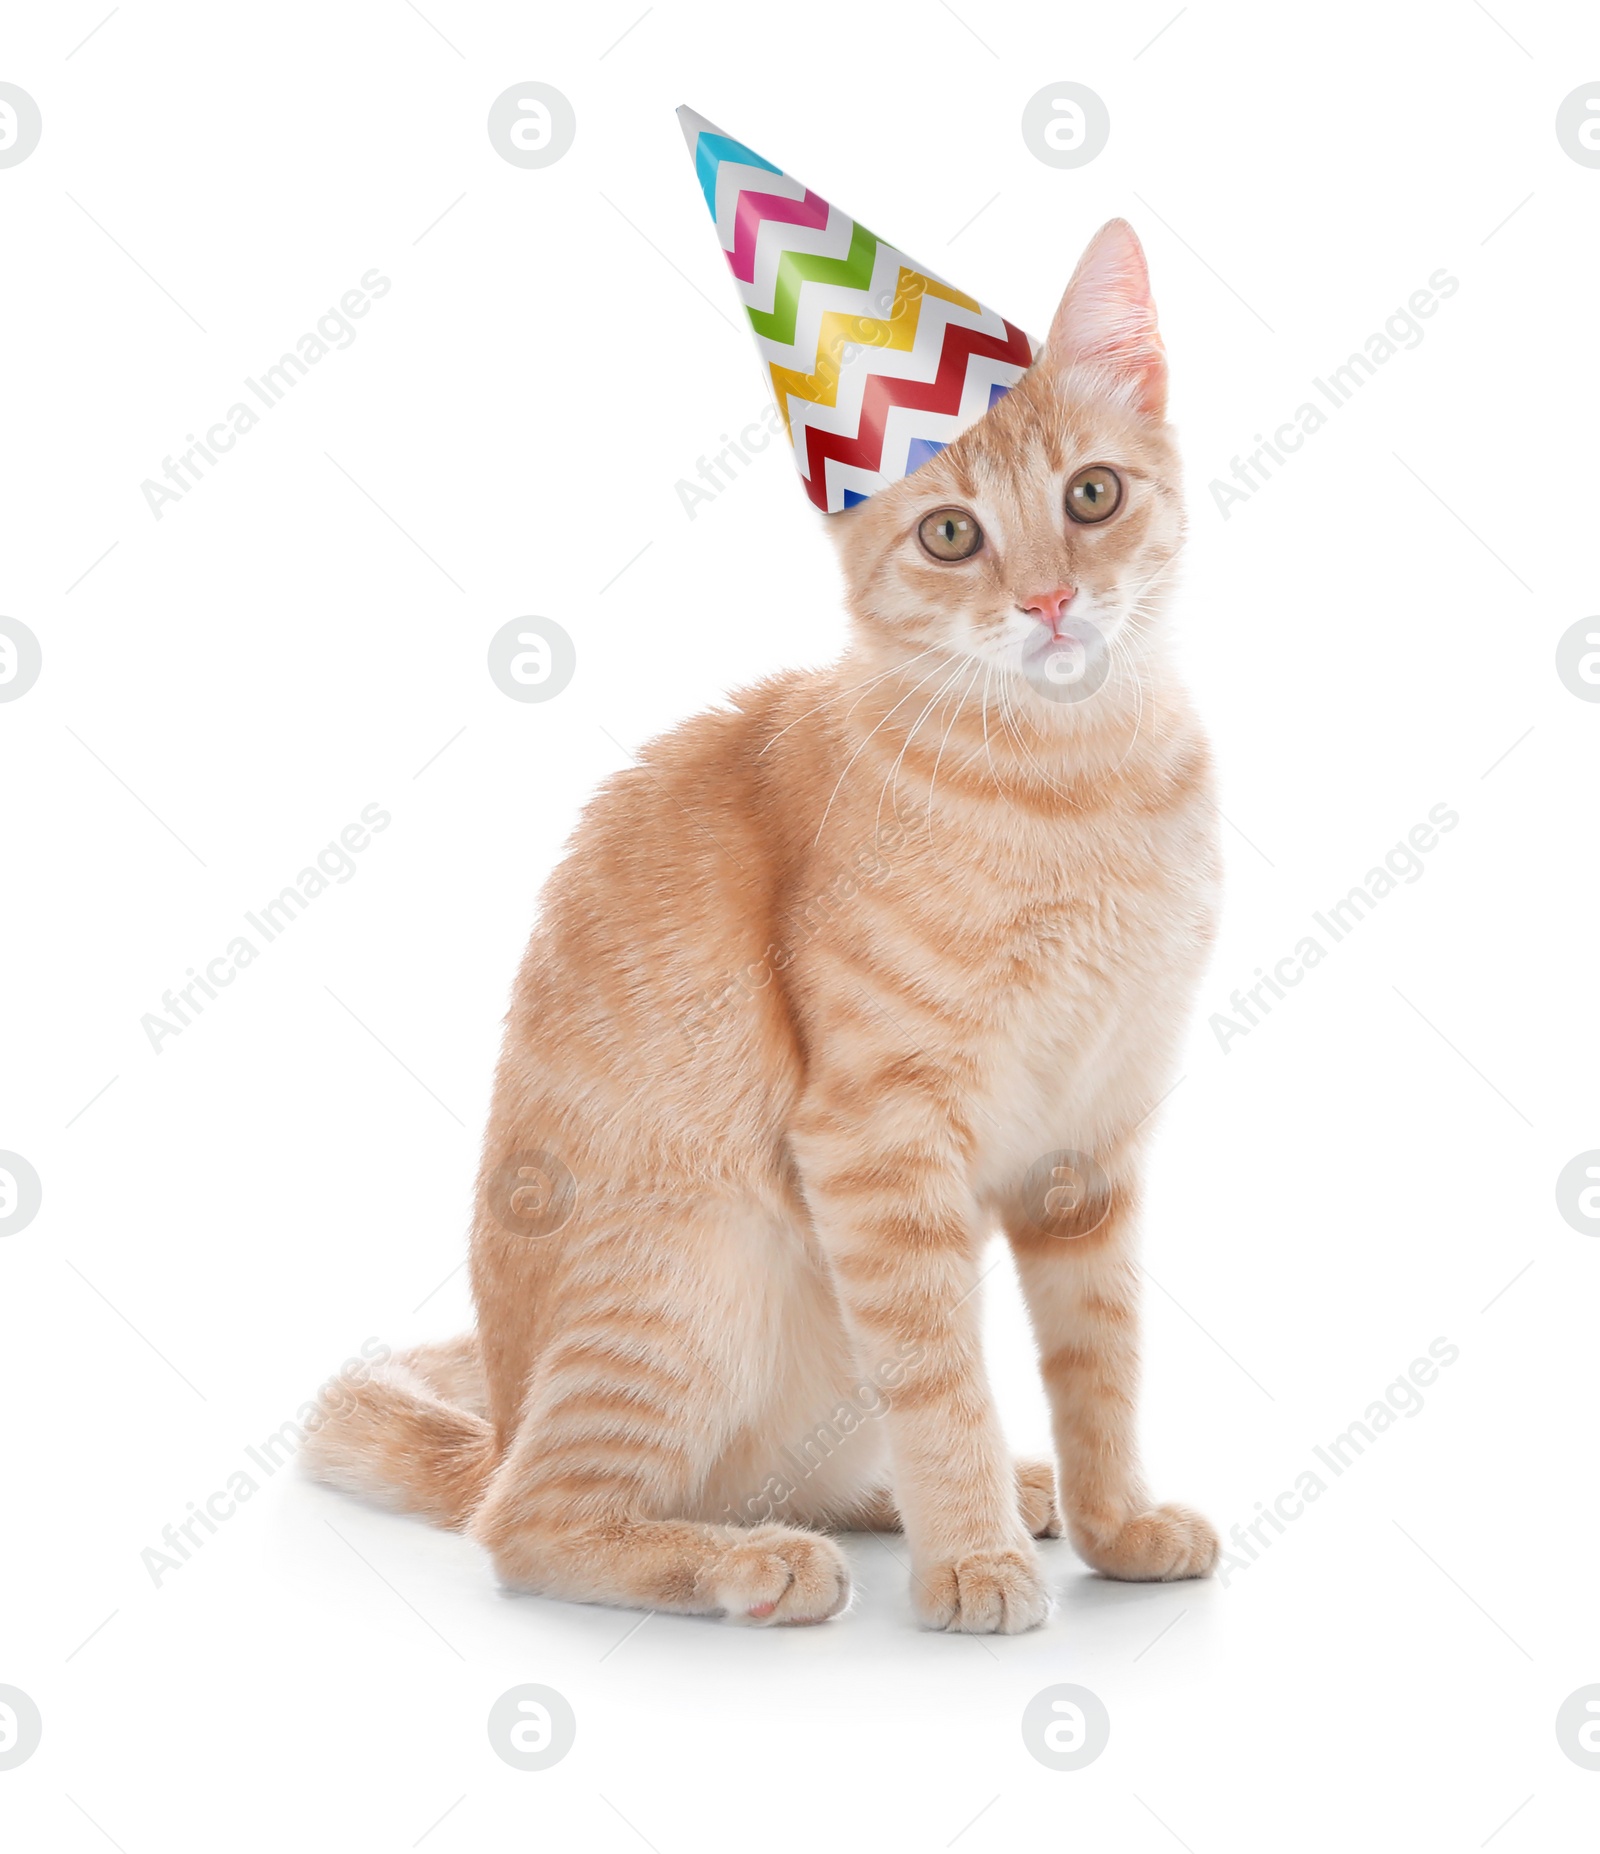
(1107,321)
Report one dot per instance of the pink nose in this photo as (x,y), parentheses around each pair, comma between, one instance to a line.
(1051,607)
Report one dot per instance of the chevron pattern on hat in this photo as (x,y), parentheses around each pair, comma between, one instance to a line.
(875,363)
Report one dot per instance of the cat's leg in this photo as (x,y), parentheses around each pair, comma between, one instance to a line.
(580,1506)
(1080,1278)
(1036,1496)
(876,1512)
(659,1353)
(883,1175)
(1036,1502)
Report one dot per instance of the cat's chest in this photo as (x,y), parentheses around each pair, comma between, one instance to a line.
(1070,913)
(1094,962)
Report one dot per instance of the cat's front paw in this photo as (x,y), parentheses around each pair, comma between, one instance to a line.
(779,1574)
(983,1593)
(1157,1547)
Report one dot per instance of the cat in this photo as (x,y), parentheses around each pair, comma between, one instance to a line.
(817,989)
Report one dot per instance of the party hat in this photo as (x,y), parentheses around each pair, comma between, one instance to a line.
(875,362)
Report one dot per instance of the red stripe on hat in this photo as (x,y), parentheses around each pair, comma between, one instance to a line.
(941,394)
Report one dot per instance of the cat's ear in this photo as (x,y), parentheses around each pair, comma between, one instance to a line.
(1107,320)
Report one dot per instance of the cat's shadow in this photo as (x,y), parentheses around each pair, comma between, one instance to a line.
(1078,1590)
(1098,1609)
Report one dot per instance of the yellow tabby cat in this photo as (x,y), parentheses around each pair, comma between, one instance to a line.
(819,987)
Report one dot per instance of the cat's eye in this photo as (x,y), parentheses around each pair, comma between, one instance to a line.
(1093,494)
(950,534)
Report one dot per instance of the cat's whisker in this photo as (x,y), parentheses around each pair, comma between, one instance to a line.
(933,782)
(983,665)
(1146,583)
(988,672)
(922,684)
(1059,790)
(1138,694)
(871,682)
(894,771)
(1007,712)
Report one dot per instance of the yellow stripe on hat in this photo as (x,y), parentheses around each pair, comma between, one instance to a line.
(840,330)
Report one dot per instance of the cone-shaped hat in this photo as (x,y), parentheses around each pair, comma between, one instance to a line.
(875,363)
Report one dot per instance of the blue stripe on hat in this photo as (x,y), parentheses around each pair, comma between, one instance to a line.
(709,154)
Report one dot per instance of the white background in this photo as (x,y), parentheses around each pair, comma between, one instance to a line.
(230,1218)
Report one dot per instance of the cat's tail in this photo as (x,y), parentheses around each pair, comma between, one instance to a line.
(410,1434)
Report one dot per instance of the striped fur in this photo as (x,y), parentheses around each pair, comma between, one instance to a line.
(817,986)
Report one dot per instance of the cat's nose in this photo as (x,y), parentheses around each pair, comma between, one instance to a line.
(1051,607)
